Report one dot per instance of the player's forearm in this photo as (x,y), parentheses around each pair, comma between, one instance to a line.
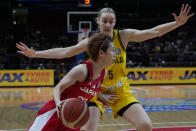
(56,95)
(56,53)
(165,28)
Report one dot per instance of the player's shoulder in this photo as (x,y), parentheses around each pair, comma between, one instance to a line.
(120,31)
(81,69)
(124,31)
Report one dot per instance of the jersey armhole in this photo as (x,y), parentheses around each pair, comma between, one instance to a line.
(118,34)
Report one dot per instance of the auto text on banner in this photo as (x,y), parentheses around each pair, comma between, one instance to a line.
(161,75)
(26,78)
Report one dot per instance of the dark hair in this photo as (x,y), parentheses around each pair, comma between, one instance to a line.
(108,10)
(96,42)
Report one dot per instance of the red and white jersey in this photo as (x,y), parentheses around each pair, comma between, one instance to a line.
(87,89)
(47,119)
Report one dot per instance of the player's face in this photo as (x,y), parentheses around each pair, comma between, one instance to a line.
(107,22)
(109,55)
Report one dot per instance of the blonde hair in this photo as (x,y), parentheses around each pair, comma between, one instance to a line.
(108,10)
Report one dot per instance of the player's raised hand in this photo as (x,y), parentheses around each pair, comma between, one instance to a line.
(24,50)
(184,15)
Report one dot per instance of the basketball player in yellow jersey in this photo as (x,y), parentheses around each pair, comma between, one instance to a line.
(116,81)
(115,87)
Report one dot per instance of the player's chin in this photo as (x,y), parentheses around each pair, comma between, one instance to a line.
(107,32)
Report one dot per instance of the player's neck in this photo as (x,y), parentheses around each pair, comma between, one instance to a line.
(97,67)
(111,34)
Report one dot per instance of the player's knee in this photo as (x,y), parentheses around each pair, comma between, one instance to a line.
(91,126)
(145,126)
(93,121)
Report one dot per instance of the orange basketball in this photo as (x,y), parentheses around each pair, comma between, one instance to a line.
(74,113)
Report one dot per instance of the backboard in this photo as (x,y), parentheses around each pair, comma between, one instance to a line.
(77,20)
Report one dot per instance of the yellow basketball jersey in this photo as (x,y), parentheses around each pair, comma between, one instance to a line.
(116,80)
(116,73)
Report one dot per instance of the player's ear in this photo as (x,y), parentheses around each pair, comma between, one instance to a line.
(114,22)
(101,52)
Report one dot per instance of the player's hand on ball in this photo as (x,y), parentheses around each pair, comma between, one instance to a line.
(58,106)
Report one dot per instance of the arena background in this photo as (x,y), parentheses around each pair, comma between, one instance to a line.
(161,71)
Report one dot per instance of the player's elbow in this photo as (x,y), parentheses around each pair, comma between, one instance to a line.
(61,57)
(156,33)
(159,34)
(150,35)
(63,53)
(139,40)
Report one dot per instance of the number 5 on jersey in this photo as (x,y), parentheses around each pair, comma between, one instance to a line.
(110,73)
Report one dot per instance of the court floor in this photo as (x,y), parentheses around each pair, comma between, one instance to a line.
(169,107)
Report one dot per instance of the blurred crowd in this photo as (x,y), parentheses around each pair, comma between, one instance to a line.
(175,49)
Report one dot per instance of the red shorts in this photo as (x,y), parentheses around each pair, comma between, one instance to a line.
(47,120)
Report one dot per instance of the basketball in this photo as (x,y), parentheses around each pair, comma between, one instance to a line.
(74,113)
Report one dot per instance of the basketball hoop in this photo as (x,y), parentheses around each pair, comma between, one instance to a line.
(85,30)
(84,33)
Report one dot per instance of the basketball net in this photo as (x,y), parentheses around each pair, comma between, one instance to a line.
(83,34)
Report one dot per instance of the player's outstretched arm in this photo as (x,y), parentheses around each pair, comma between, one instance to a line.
(55,53)
(142,35)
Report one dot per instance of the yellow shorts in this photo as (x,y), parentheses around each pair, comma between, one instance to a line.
(125,98)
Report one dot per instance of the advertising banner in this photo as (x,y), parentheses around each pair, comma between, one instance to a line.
(161,75)
(26,77)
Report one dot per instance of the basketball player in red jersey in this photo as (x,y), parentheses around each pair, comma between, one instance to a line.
(83,82)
